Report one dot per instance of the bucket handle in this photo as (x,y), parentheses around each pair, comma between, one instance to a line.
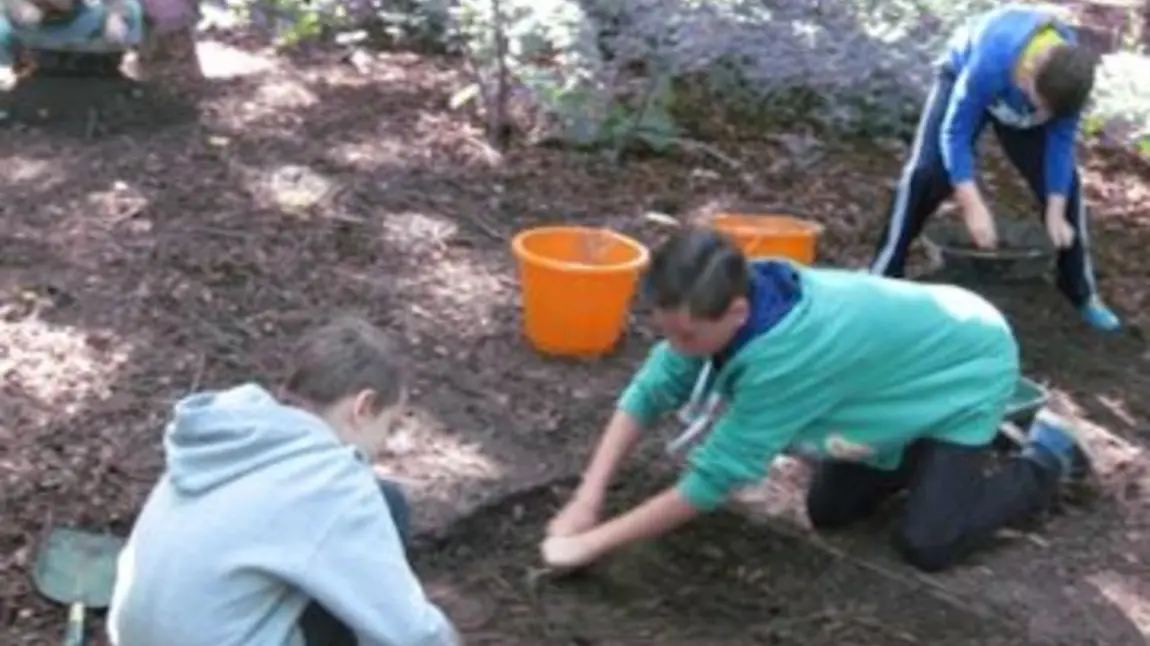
(779,209)
(670,221)
(594,244)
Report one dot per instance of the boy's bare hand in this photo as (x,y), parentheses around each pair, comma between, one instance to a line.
(26,14)
(980,223)
(8,80)
(1060,231)
(577,516)
(567,552)
(116,29)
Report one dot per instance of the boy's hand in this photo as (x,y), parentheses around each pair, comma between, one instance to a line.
(568,552)
(980,223)
(26,14)
(116,29)
(1059,230)
(577,516)
(8,80)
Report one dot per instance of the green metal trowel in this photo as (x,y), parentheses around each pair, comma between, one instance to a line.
(77,569)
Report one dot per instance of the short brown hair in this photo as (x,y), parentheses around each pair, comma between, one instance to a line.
(1066,79)
(343,358)
(699,269)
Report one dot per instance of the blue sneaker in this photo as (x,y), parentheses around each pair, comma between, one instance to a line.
(1052,443)
(1100,317)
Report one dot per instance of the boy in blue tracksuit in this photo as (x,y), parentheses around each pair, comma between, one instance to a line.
(1020,69)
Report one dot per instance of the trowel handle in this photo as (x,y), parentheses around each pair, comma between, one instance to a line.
(74,636)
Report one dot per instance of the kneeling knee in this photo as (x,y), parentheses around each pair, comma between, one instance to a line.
(398,506)
(829,517)
(924,552)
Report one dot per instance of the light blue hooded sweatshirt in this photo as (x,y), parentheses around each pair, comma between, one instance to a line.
(260,511)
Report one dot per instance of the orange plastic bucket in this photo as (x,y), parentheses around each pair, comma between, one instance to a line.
(577,285)
(761,236)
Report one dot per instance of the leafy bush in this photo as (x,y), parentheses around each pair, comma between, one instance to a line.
(293,22)
(1120,111)
(867,61)
(604,72)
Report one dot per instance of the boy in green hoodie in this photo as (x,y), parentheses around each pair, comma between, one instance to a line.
(887,384)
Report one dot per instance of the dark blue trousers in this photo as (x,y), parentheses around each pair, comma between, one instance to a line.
(952,507)
(320,627)
(924,185)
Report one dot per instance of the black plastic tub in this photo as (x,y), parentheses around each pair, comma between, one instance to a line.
(1024,251)
(102,65)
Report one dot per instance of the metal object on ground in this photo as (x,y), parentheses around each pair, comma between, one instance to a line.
(1027,400)
(1024,252)
(1024,404)
(78,569)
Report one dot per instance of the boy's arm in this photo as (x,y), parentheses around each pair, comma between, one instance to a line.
(973,91)
(761,422)
(1061,138)
(663,384)
(360,574)
(1060,156)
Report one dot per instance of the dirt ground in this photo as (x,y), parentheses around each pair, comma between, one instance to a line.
(177,239)
(725,581)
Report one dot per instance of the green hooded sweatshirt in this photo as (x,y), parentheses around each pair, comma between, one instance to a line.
(860,367)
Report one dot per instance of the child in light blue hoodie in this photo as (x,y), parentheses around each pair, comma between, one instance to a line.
(268,527)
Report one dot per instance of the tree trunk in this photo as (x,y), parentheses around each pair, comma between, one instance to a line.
(171,55)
